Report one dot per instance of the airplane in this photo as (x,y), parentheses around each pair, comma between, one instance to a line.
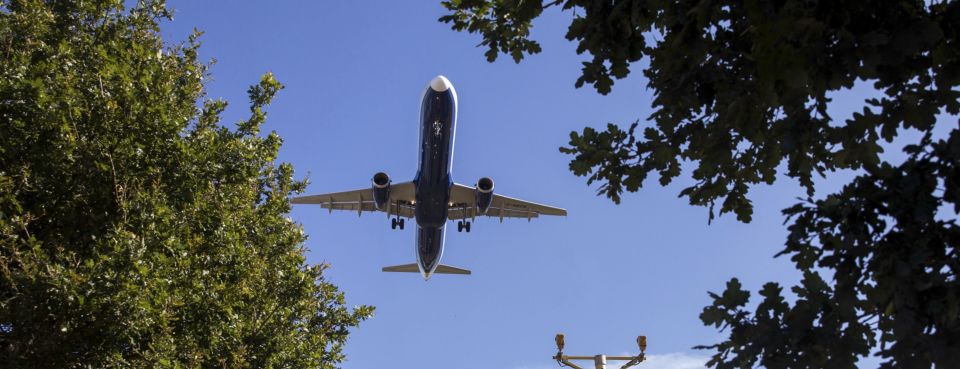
(432,197)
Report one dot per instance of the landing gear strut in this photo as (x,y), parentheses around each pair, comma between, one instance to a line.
(398,221)
(463,225)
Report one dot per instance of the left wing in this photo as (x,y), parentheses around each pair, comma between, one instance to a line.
(362,200)
(464,206)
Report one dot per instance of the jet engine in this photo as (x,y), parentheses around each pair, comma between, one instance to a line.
(484,193)
(381,190)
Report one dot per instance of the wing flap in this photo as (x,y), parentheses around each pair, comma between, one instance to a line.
(350,206)
(510,213)
(457,213)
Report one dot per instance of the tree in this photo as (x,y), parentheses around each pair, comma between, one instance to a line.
(741,92)
(135,230)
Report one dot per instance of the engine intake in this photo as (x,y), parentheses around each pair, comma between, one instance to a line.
(381,190)
(484,194)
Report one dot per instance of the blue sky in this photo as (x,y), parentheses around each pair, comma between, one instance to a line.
(354,72)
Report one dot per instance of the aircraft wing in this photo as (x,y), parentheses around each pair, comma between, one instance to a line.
(361,200)
(464,206)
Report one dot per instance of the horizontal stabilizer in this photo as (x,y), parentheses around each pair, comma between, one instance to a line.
(413,268)
(446,269)
(403,268)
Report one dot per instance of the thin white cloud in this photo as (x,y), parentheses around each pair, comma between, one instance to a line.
(676,360)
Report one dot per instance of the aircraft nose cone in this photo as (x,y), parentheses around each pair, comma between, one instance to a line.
(440,84)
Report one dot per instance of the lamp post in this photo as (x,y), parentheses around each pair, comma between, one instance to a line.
(600,361)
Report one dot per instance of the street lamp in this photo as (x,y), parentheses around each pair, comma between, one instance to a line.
(600,361)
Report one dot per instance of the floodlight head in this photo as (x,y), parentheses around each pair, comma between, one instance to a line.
(642,342)
(559,340)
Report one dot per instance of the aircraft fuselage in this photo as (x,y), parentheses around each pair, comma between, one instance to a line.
(438,124)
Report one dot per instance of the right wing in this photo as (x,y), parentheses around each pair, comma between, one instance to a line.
(362,200)
(501,207)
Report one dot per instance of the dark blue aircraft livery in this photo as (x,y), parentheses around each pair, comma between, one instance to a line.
(432,197)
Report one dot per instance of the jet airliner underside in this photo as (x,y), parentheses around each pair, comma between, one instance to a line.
(432,197)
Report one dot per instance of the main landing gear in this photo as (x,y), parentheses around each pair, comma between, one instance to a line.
(398,221)
(463,225)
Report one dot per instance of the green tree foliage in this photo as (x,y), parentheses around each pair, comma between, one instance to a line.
(741,92)
(135,230)
(894,263)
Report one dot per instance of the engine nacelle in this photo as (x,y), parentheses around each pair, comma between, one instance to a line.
(381,190)
(484,194)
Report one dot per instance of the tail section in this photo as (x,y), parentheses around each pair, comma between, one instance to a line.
(413,268)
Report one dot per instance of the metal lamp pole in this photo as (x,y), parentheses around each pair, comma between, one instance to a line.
(600,361)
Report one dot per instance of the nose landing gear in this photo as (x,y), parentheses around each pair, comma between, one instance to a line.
(463,225)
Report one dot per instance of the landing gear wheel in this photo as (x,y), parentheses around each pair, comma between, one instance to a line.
(459,226)
(466,226)
(393,223)
(401,223)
